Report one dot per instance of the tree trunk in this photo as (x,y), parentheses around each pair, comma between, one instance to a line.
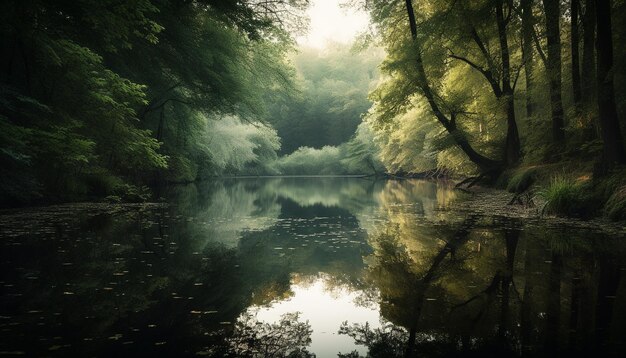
(552,12)
(589,63)
(485,164)
(512,145)
(575,39)
(588,75)
(527,52)
(609,123)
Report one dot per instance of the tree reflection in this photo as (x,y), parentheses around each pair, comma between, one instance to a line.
(148,280)
(494,288)
(287,338)
(386,341)
(405,285)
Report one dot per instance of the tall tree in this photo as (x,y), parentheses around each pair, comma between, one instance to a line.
(512,150)
(553,15)
(527,52)
(588,70)
(449,123)
(588,63)
(575,42)
(609,123)
(499,79)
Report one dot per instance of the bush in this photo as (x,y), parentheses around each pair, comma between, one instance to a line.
(521,180)
(312,161)
(615,207)
(131,193)
(564,196)
(101,182)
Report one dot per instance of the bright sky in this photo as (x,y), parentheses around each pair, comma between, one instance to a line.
(331,22)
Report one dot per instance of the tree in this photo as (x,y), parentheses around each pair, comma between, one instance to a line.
(609,122)
(527,52)
(103,93)
(501,85)
(553,34)
(588,70)
(448,122)
(78,116)
(575,42)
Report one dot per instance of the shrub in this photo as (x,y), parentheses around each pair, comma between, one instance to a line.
(564,196)
(521,180)
(101,182)
(312,161)
(132,194)
(615,207)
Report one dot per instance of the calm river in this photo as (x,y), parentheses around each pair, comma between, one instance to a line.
(307,266)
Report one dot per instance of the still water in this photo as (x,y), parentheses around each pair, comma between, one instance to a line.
(307,266)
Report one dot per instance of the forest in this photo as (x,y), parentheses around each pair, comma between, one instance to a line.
(313,178)
(109,99)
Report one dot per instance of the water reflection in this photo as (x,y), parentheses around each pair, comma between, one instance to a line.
(325,304)
(296,267)
(497,289)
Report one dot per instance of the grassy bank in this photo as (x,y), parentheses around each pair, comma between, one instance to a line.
(569,189)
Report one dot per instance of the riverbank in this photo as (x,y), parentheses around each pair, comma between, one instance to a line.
(568,189)
(493,204)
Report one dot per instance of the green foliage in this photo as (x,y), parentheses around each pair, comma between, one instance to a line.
(611,190)
(95,94)
(234,146)
(362,153)
(460,51)
(615,207)
(131,193)
(311,161)
(521,180)
(287,338)
(332,86)
(564,196)
(101,182)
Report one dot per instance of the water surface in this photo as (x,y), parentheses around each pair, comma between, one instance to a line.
(303,266)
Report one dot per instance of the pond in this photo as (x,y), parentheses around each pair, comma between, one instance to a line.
(307,266)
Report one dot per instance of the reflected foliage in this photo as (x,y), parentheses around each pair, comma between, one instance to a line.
(286,338)
(499,291)
(181,279)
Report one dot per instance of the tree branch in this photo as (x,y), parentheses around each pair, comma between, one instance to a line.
(486,73)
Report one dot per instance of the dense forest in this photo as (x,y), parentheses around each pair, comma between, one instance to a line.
(110,99)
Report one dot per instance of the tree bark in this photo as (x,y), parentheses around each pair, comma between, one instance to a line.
(485,164)
(527,52)
(588,87)
(575,42)
(609,123)
(552,14)
(512,144)
(588,75)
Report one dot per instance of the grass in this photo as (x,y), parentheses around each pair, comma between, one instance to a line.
(569,189)
(565,196)
(615,207)
(612,191)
